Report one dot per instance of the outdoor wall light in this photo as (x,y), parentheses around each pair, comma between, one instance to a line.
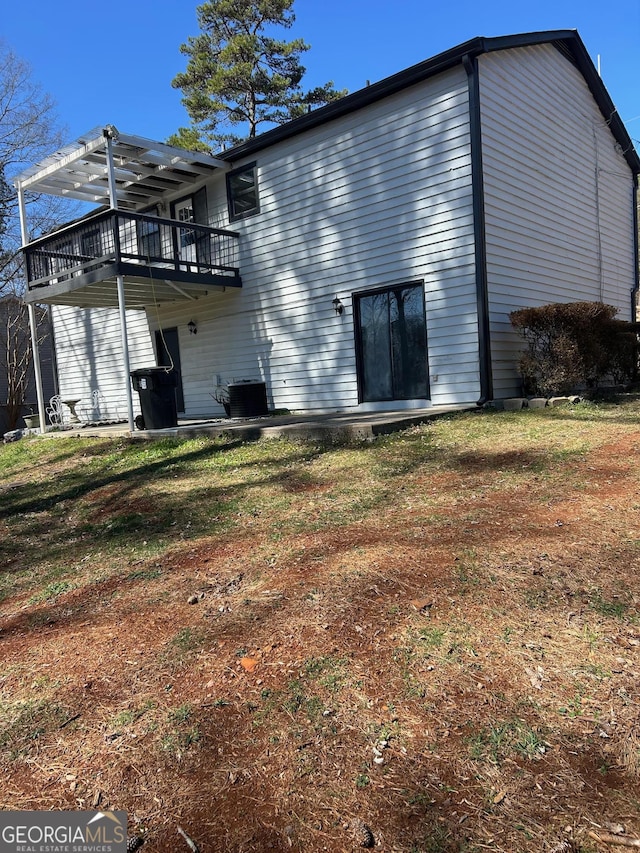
(338,307)
(193,329)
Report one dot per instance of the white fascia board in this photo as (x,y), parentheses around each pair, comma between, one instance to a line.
(170,151)
(90,192)
(60,164)
(63,188)
(161,161)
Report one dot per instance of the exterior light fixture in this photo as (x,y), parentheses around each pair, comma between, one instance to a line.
(338,307)
(193,329)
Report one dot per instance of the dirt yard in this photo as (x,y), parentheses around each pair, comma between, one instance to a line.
(429,643)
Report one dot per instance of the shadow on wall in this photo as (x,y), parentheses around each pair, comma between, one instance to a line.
(406,217)
(243,348)
(89,354)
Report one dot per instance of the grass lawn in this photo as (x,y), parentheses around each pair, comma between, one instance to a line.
(433,638)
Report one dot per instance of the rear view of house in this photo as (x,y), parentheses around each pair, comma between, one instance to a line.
(367,255)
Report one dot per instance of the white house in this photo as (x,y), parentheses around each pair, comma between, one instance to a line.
(365,256)
(91,367)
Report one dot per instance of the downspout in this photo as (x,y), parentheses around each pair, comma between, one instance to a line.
(33,319)
(470,64)
(636,253)
(109,133)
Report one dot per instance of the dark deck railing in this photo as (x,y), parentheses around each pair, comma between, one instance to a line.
(115,239)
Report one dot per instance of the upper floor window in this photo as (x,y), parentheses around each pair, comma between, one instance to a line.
(149,238)
(242,192)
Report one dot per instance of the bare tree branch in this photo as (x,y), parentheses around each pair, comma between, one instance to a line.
(29,131)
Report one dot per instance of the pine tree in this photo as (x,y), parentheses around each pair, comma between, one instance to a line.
(238,77)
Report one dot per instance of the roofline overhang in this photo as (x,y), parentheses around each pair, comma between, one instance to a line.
(567,40)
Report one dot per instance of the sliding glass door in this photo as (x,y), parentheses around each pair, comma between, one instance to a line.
(391,335)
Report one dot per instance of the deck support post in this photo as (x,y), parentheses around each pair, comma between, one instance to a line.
(125,350)
(109,133)
(33,319)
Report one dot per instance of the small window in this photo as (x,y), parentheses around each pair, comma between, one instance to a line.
(91,244)
(242,192)
(149,236)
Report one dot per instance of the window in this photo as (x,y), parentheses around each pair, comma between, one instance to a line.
(193,245)
(242,192)
(149,234)
(187,237)
(61,259)
(392,344)
(91,244)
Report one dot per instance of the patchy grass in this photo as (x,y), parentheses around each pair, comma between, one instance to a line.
(436,634)
(506,739)
(50,592)
(25,724)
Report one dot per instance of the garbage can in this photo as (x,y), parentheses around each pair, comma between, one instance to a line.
(156,387)
(248,399)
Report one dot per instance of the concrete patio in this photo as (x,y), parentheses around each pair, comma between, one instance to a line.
(333,427)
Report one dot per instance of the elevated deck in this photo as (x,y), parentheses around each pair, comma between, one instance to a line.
(161,260)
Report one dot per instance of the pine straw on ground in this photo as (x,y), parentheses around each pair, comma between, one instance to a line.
(435,636)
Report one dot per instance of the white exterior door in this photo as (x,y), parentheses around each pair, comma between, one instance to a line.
(186,237)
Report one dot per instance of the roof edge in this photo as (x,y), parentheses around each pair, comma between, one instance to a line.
(358,99)
(437,64)
(603,99)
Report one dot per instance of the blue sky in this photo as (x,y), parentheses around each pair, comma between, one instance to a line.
(112,63)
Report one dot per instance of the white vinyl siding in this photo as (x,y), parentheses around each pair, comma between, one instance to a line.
(558,196)
(380,197)
(89,353)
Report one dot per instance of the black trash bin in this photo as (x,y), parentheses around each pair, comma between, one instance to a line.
(156,387)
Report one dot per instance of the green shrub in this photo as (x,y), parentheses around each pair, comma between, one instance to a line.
(574,346)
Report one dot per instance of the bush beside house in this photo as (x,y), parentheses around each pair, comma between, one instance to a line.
(574,347)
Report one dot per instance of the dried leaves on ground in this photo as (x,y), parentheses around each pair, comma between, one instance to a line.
(426,643)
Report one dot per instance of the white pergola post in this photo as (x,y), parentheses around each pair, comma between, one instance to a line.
(125,349)
(33,319)
(120,283)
